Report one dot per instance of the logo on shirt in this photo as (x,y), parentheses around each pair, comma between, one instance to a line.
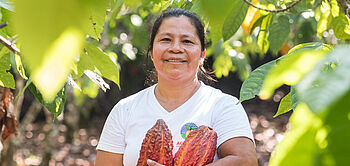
(187,128)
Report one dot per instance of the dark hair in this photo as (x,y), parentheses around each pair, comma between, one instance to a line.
(203,75)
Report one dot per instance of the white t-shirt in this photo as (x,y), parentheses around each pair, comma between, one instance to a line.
(131,118)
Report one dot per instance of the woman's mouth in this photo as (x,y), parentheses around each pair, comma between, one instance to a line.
(175,60)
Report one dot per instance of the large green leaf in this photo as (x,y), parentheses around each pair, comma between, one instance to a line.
(97,19)
(96,59)
(263,35)
(290,69)
(336,121)
(234,19)
(6,78)
(252,85)
(316,140)
(51,33)
(298,146)
(320,88)
(56,106)
(278,32)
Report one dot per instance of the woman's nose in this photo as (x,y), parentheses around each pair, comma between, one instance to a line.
(176,47)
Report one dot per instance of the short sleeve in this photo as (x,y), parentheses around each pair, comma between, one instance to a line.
(230,120)
(112,138)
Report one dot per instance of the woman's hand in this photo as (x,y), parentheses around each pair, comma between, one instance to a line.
(153,163)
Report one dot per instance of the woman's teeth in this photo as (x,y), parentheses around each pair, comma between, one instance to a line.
(170,60)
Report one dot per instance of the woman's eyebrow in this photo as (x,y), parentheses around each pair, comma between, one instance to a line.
(171,34)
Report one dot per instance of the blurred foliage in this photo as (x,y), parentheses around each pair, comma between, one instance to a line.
(83,42)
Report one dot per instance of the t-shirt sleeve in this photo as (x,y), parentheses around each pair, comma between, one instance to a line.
(230,120)
(112,138)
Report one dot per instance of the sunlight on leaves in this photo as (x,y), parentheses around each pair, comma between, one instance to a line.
(320,88)
(50,41)
(263,35)
(52,74)
(291,68)
(284,106)
(299,144)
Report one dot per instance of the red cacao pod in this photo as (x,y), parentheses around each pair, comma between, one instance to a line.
(157,145)
(198,148)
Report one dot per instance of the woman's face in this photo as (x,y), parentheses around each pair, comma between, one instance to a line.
(176,52)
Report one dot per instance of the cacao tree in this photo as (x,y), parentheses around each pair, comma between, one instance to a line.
(55,44)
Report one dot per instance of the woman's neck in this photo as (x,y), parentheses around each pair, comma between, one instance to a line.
(171,96)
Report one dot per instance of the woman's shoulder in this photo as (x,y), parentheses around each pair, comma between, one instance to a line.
(133,99)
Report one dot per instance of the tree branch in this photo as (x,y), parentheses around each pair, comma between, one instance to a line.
(276,10)
(7,43)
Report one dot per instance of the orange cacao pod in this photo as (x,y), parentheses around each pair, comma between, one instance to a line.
(157,145)
(198,148)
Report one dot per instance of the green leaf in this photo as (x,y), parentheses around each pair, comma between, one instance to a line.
(316,140)
(188,127)
(336,121)
(96,59)
(252,85)
(284,106)
(116,8)
(51,33)
(341,26)
(29,81)
(56,106)
(278,32)
(132,3)
(290,69)
(216,12)
(320,88)
(6,78)
(234,19)
(6,5)
(298,146)
(294,97)
(263,35)
(325,18)
(19,65)
(97,19)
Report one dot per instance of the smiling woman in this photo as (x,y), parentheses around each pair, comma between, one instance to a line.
(177,50)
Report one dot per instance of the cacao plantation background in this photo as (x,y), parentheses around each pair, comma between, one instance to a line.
(64,64)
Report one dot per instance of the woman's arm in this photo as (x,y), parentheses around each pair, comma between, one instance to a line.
(236,151)
(104,158)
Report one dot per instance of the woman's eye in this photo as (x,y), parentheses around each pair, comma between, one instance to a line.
(188,41)
(165,39)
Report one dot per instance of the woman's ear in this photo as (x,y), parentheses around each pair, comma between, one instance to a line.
(151,55)
(203,53)
(202,58)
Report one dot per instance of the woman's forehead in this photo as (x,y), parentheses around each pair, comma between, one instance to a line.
(179,25)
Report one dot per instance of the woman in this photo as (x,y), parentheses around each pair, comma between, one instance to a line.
(177,49)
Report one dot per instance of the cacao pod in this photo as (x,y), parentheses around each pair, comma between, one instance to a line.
(198,148)
(157,145)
